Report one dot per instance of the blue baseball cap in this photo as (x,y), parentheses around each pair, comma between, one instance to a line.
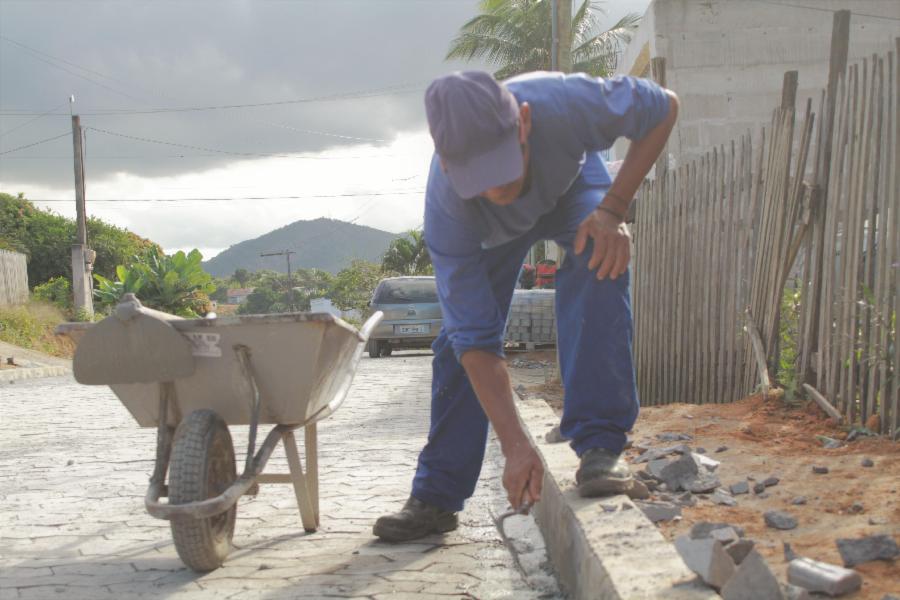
(474,121)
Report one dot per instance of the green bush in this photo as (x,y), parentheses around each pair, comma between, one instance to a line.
(31,326)
(57,291)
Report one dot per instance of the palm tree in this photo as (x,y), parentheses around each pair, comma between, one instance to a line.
(516,36)
(408,255)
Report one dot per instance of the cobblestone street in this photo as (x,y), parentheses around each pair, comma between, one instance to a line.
(74,468)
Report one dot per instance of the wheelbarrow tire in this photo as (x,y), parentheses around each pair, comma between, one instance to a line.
(202,467)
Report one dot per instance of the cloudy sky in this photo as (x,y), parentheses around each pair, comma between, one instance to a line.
(211,122)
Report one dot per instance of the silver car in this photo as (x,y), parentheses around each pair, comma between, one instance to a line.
(412,314)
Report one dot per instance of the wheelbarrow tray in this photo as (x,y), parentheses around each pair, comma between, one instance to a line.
(303,364)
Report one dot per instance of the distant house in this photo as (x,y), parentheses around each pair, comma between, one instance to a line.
(238,295)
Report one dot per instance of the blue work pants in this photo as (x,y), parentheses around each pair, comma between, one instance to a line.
(594,328)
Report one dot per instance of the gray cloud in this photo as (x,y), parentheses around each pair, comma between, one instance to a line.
(143,55)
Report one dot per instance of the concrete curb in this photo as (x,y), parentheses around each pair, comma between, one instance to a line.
(11,375)
(601,548)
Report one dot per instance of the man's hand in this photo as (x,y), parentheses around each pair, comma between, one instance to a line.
(523,475)
(612,243)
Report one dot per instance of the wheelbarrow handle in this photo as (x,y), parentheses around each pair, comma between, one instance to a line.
(366,330)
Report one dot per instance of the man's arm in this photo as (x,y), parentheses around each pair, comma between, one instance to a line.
(612,241)
(523,475)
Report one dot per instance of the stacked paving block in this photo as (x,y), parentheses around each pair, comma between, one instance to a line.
(531,318)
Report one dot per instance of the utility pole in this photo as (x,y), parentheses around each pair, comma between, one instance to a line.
(287,255)
(561,35)
(82,256)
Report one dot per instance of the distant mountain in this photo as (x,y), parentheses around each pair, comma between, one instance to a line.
(324,244)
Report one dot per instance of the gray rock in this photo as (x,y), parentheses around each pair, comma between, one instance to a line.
(707,558)
(739,550)
(829,443)
(890,596)
(659,511)
(763,496)
(638,490)
(799,500)
(554,436)
(702,485)
(857,507)
(724,498)
(795,592)
(678,472)
(759,488)
(862,550)
(876,520)
(817,576)
(651,454)
(725,535)
(704,461)
(701,450)
(704,529)
(669,436)
(789,553)
(867,462)
(741,487)
(753,580)
(655,467)
(770,481)
(685,499)
(820,469)
(780,520)
(721,448)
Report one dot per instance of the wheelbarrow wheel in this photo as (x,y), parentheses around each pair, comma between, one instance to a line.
(201,467)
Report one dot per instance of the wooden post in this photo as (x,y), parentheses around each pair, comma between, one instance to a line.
(837,66)
(82,256)
(658,72)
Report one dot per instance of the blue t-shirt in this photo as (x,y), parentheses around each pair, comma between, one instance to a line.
(571,116)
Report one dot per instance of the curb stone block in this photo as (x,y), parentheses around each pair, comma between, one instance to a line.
(817,576)
(707,558)
(739,550)
(753,580)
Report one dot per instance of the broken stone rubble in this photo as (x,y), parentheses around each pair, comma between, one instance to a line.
(707,558)
(753,580)
(862,550)
(778,519)
(659,511)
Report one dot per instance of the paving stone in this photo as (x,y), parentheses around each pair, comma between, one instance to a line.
(862,550)
(739,550)
(820,469)
(724,498)
(707,558)
(704,529)
(777,519)
(83,528)
(659,511)
(817,576)
(753,580)
(741,487)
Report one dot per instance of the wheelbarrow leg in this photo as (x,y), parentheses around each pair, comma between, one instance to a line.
(308,514)
(310,439)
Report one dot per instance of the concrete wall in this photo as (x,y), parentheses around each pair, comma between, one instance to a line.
(726,58)
(13,278)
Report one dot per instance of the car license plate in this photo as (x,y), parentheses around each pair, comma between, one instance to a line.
(405,329)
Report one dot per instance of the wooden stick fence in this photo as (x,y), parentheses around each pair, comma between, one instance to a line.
(717,241)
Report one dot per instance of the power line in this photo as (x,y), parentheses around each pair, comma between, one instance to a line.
(21,125)
(37,143)
(821,9)
(218,151)
(387,91)
(403,192)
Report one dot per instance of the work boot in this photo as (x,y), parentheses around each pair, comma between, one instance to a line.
(602,472)
(416,519)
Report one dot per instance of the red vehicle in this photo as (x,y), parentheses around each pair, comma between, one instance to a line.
(546,274)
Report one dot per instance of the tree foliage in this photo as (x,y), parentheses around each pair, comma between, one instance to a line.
(46,240)
(408,255)
(515,35)
(353,286)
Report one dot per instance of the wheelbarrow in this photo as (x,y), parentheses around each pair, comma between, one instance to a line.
(193,378)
